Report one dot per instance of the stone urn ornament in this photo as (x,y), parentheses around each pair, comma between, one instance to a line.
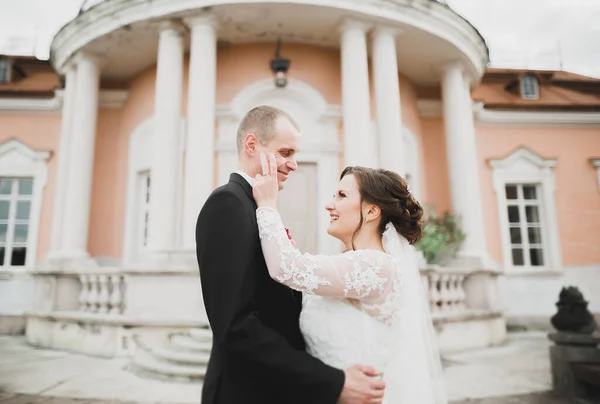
(573,315)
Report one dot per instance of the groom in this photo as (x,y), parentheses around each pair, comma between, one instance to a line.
(258,354)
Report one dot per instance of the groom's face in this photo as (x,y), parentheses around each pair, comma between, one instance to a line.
(285,146)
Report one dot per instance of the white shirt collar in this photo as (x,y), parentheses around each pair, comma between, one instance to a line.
(245,176)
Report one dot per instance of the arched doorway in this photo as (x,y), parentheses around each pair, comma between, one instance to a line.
(308,190)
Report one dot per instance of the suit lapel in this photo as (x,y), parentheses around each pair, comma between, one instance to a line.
(238,179)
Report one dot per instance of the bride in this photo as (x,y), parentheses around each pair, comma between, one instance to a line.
(365,305)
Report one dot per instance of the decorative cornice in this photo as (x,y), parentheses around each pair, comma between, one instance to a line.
(108,99)
(538,117)
(430,16)
(433,108)
(523,153)
(14,105)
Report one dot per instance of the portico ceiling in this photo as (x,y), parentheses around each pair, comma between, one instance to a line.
(132,46)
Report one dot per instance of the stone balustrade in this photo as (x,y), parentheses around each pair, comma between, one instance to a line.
(98,310)
(102,292)
(465,307)
(445,291)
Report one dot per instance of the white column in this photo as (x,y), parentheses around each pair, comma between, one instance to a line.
(62,169)
(359,143)
(387,101)
(199,155)
(81,158)
(165,159)
(463,168)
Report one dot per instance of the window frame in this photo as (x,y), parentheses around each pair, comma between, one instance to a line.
(8,65)
(17,160)
(523,225)
(13,198)
(535,85)
(524,167)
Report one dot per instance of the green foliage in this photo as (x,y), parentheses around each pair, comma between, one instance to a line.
(441,237)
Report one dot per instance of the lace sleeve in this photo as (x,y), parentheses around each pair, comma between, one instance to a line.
(363,274)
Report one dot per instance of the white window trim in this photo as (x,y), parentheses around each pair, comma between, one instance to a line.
(509,170)
(19,160)
(140,159)
(595,162)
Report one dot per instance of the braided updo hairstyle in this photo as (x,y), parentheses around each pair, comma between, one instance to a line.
(390,192)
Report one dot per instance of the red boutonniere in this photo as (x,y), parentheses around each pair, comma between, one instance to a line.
(290,236)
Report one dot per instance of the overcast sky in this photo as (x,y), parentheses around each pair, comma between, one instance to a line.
(537,34)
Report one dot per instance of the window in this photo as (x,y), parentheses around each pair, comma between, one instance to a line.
(15,207)
(5,70)
(524,186)
(143,209)
(529,87)
(525,225)
(23,173)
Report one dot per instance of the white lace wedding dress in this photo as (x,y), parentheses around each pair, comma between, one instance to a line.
(355,310)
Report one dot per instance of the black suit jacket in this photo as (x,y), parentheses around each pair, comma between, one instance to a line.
(258,354)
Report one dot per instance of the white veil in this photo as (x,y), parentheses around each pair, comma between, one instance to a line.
(414,373)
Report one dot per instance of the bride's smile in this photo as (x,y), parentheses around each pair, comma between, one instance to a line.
(344,209)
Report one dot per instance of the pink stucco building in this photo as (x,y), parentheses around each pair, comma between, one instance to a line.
(108,150)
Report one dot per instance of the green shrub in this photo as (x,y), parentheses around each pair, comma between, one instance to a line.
(442,237)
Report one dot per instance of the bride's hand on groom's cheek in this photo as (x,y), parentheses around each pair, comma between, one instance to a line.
(265,187)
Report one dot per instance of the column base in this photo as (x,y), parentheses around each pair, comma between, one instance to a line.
(68,260)
(174,259)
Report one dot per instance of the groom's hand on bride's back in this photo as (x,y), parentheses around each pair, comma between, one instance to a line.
(362,386)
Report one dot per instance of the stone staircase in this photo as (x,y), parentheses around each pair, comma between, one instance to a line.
(175,357)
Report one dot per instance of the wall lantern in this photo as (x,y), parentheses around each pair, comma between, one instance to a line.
(279,67)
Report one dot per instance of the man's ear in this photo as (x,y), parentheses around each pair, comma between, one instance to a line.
(250,143)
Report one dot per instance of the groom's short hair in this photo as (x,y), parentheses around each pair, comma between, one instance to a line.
(261,121)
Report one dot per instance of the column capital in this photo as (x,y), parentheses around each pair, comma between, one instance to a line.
(173,25)
(203,19)
(387,30)
(93,58)
(69,66)
(352,23)
(450,65)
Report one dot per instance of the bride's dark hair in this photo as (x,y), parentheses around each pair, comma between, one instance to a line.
(390,192)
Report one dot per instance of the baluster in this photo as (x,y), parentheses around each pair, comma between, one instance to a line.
(102,298)
(452,292)
(462,296)
(115,296)
(84,293)
(434,294)
(93,293)
(444,293)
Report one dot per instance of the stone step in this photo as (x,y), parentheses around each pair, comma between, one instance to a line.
(145,364)
(168,354)
(201,334)
(185,343)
